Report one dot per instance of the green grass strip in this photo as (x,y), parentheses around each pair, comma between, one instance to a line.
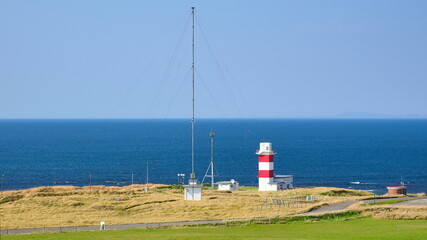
(390,202)
(362,228)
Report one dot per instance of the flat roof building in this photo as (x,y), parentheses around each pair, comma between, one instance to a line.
(231,185)
(396,190)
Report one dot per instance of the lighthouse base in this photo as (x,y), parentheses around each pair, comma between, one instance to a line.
(277,183)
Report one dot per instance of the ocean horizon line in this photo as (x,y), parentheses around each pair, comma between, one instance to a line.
(201,118)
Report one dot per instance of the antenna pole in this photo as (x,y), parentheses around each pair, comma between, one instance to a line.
(212,160)
(193,175)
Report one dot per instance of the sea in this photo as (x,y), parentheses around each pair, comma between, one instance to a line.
(347,153)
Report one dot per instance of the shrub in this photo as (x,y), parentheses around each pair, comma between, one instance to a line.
(10,198)
(77,204)
(342,193)
(174,186)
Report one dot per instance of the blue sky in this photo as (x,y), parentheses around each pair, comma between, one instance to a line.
(254,59)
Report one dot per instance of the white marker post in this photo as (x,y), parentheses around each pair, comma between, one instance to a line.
(102,225)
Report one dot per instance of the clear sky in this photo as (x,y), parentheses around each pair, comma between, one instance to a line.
(263,59)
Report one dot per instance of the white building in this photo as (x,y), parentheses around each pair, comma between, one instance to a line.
(230,185)
(193,191)
(267,181)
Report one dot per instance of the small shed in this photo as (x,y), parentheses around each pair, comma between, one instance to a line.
(193,191)
(396,190)
(231,185)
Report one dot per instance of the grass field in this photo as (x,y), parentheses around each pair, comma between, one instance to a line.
(63,206)
(362,228)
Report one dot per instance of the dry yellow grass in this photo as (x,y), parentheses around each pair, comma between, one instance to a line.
(403,212)
(391,211)
(76,206)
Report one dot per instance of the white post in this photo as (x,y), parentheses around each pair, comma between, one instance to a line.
(102,225)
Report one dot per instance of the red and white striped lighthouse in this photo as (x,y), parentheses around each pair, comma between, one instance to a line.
(265,166)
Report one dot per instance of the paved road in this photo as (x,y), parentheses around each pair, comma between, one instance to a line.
(344,205)
(328,209)
(418,202)
(322,210)
(389,199)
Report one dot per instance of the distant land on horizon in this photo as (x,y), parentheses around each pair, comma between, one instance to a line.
(363,115)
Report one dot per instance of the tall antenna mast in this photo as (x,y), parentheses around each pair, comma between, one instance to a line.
(193,175)
(193,191)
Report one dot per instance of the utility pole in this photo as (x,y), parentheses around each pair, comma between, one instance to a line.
(146,181)
(2,182)
(375,202)
(90,182)
(132,179)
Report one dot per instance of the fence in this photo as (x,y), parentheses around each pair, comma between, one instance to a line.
(294,202)
(113,227)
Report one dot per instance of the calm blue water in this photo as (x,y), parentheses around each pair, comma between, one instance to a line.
(377,153)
